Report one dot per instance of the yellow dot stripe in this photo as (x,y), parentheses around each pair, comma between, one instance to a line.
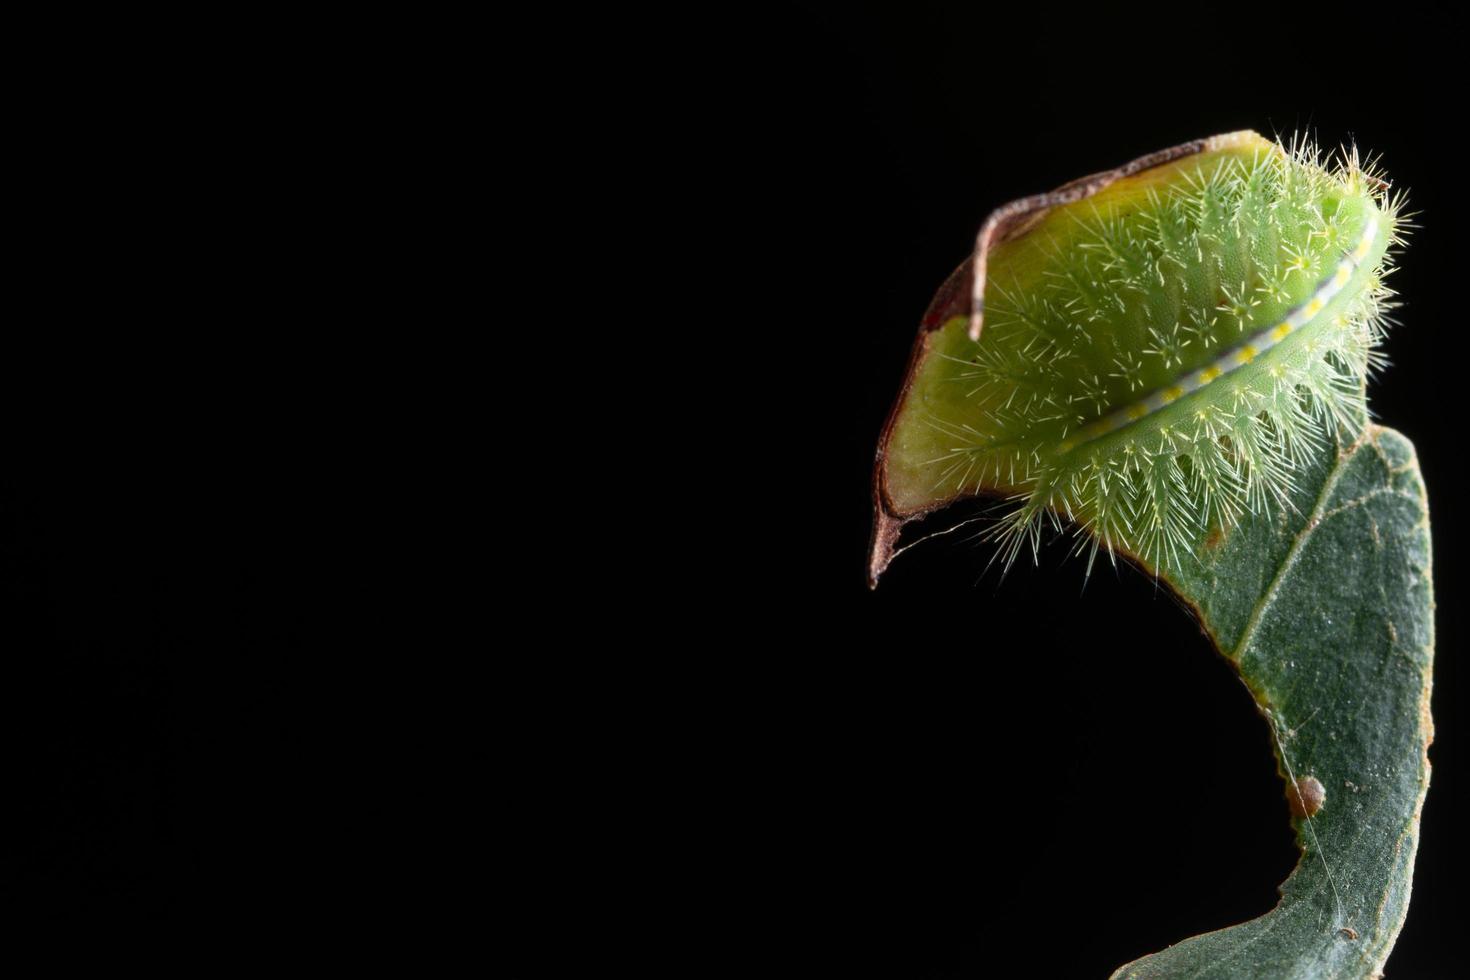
(1238,356)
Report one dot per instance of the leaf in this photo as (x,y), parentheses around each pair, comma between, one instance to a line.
(1323,604)
(1328,616)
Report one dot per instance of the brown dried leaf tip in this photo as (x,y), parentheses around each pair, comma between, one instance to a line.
(1306,796)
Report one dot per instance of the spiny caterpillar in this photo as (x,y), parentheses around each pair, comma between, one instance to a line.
(1162,349)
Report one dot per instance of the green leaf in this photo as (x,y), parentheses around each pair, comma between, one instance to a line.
(1328,615)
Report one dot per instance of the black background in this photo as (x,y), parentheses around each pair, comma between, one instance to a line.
(952,776)
(170,431)
(1040,775)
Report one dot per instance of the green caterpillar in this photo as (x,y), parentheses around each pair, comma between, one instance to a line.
(1151,353)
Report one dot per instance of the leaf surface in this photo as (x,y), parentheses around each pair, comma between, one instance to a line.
(1328,615)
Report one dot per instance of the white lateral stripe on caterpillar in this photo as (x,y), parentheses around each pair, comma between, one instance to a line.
(1236,356)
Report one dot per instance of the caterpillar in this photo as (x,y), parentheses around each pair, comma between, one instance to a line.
(1151,354)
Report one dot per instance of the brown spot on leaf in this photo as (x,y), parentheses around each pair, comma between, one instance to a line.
(1306,796)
